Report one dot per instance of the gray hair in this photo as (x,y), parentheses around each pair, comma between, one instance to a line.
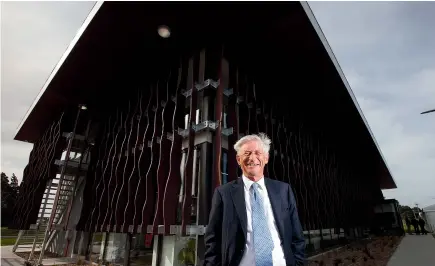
(261,137)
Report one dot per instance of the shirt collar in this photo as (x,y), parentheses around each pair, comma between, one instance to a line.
(248,182)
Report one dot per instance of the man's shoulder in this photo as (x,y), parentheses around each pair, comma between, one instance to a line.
(277,182)
(226,186)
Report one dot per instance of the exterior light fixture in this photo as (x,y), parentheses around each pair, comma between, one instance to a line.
(83,107)
(164,31)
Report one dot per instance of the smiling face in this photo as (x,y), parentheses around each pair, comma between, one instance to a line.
(252,159)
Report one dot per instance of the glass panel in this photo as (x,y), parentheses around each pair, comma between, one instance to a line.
(139,253)
(115,249)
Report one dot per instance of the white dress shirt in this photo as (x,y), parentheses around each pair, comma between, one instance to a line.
(248,258)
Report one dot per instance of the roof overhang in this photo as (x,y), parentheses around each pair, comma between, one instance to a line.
(38,115)
(85,65)
(391,183)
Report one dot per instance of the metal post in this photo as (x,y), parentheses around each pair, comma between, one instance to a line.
(195,180)
(82,152)
(71,200)
(202,192)
(127,249)
(103,249)
(89,245)
(20,234)
(205,184)
(62,175)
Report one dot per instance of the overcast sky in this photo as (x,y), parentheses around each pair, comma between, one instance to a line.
(386,50)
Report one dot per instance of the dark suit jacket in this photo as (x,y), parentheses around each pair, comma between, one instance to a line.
(225,236)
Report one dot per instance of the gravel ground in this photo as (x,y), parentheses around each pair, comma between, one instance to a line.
(376,252)
(47,255)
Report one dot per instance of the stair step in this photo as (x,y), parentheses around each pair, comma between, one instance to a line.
(40,237)
(29,243)
(33,234)
(54,186)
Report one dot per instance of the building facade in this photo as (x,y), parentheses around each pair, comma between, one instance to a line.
(134,130)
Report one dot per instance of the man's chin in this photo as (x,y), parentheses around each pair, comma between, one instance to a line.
(253,174)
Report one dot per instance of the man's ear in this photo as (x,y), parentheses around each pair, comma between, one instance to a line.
(266,159)
(238,159)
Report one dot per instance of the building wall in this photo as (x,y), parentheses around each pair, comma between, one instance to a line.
(430,217)
(150,169)
(135,174)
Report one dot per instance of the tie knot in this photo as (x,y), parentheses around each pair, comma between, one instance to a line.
(255,186)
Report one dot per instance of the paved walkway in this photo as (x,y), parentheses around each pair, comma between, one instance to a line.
(8,258)
(414,250)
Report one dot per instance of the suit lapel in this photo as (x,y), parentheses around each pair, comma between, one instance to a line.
(238,196)
(274,192)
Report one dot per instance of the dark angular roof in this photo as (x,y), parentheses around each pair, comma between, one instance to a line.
(120,33)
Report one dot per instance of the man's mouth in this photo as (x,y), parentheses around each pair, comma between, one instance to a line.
(252,164)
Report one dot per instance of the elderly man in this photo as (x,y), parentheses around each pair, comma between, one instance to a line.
(254,220)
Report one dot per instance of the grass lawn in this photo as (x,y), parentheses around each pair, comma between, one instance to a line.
(98,237)
(8,232)
(8,236)
(7,241)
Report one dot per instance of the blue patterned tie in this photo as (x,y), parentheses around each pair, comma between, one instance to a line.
(263,243)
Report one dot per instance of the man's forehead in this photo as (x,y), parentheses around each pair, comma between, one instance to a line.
(251,146)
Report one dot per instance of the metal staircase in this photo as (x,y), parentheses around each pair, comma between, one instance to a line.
(66,188)
(34,236)
(26,239)
(57,201)
(71,168)
(59,195)
(50,209)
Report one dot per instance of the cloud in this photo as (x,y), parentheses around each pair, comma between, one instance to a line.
(386,52)
(34,37)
